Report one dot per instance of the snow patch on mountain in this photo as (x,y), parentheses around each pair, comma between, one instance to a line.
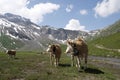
(33,35)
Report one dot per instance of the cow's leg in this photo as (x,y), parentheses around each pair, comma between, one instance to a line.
(9,56)
(14,56)
(72,60)
(51,59)
(56,62)
(78,63)
(86,56)
(58,58)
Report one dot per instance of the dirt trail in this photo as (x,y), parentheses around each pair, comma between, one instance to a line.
(111,64)
(110,61)
(102,47)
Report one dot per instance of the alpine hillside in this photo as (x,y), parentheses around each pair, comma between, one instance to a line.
(106,41)
(19,33)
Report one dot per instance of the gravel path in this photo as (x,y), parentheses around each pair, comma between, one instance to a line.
(112,61)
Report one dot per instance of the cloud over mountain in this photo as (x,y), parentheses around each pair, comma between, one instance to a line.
(74,24)
(20,7)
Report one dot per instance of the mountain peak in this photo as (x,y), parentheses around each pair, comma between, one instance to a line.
(11,15)
(16,19)
(25,31)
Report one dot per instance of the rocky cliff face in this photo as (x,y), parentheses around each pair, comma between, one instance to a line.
(21,29)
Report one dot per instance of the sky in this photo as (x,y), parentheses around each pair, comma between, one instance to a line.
(85,15)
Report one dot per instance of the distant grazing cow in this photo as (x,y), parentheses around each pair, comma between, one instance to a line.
(55,53)
(79,49)
(11,53)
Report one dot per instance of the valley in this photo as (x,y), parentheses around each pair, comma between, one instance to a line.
(32,63)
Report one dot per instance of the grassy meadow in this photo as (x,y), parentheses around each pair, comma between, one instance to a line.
(36,66)
(111,42)
(10,43)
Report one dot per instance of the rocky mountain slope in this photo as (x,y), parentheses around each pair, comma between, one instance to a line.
(17,32)
(109,30)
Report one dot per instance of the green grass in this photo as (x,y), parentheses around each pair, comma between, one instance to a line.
(102,52)
(36,66)
(110,42)
(10,43)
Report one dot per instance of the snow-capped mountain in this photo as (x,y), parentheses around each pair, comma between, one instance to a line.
(32,36)
(18,27)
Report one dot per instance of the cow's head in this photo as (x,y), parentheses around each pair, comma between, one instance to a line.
(51,48)
(70,46)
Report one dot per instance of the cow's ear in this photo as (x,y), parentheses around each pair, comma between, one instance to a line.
(68,41)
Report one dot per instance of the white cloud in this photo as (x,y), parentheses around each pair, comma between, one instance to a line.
(107,7)
(19,7)
(74,24)
(69,8)
(83,12)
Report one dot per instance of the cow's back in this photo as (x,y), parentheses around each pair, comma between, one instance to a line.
(11,52)
(81,47)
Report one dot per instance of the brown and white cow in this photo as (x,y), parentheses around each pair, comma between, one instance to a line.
(79,49)
(55,53)
(11,53)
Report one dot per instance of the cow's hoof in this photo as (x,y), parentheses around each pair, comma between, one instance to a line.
(80,70)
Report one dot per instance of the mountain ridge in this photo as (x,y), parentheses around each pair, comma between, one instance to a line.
(19,33)
(21,29)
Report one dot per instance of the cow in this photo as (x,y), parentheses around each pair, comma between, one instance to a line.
(55,53)
(78,48)
(11,53)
